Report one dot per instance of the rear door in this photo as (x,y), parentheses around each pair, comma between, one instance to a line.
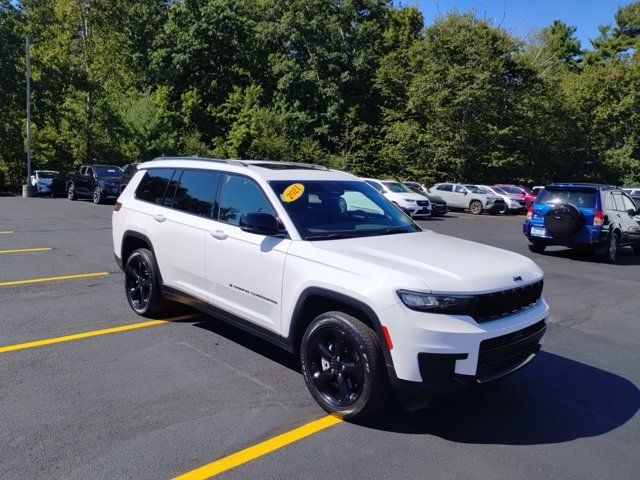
(244,270)
(444,191)
(178,228)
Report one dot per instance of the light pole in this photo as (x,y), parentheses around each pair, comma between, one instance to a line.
(28,190)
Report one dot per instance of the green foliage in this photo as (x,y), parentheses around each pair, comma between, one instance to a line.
(353,84)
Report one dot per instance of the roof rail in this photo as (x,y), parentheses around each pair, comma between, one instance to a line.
(282,162)
(204,159)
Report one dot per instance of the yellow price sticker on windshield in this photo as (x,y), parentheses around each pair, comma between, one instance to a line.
(292,192)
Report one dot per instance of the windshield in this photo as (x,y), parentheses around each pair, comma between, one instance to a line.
(396,187)
(415,189)
(108,171)
(331,209)
(499,191)
(476,189)
(46,174)
(579,198)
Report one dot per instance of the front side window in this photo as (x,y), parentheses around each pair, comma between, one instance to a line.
(154,184)
(241,195)
(196,192)
(628,203)
(332,209)
(459,189)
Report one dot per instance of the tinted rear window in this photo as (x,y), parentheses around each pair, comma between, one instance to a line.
(579,198)
(154,184)
(196,192)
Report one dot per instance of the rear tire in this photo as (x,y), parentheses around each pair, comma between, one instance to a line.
(613,246)
(475,207)
(142,284)
(343,366)
(537,247)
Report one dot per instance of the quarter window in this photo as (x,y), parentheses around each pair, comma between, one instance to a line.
(154,184)
(241,195)
(196,192)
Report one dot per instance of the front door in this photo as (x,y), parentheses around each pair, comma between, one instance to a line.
(244,270)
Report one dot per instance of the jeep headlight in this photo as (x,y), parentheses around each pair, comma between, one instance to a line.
(436,303)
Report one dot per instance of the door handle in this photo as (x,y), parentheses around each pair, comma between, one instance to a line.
(219,234)
(159,218)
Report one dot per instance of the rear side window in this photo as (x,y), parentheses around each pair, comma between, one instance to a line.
(579,198)
(619,204)
(241,195)
(445,188)
(154,184)
(196,192)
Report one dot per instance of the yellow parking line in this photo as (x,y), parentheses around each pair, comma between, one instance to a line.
(6,231)
(25,250)
(260,449)
(52,279)
(92,333)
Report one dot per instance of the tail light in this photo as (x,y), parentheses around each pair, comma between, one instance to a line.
(117,206)
(598,218)
(530,213)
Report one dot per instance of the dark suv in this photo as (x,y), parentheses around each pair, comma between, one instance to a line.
(579,215)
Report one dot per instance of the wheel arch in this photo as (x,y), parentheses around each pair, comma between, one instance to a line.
(314,301)
(131,241)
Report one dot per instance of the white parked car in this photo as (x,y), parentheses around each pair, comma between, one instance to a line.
(319,263)
(412,203)
(471,197)
(514,203)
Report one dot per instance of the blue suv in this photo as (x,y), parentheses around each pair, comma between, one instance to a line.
(580,215)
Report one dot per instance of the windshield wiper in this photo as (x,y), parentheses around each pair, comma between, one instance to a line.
(330,236)
(391,231)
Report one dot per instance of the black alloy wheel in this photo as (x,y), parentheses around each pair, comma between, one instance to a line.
(141,284)
(335,366)
(343,365)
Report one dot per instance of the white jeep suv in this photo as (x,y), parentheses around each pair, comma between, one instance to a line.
(319,263)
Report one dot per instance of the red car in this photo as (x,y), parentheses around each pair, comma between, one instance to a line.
(520,191)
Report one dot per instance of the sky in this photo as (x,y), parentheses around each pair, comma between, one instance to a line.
(520,17)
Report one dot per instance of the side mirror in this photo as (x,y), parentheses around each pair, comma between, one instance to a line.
(259,223)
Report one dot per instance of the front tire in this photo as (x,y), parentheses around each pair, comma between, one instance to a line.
(97,195)
(343,366)
(142,285)
(475,207)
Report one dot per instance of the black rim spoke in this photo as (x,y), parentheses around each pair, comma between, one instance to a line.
(335,366)
(345,391)
(319,346)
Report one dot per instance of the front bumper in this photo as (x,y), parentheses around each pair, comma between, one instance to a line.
(495,207)
(439,209)
(435,354)
(416,210)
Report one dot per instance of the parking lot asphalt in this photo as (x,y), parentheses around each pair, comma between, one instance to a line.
(160,400)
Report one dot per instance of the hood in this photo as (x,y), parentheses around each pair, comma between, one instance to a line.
(442,263)
(435,199)
(409,195)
